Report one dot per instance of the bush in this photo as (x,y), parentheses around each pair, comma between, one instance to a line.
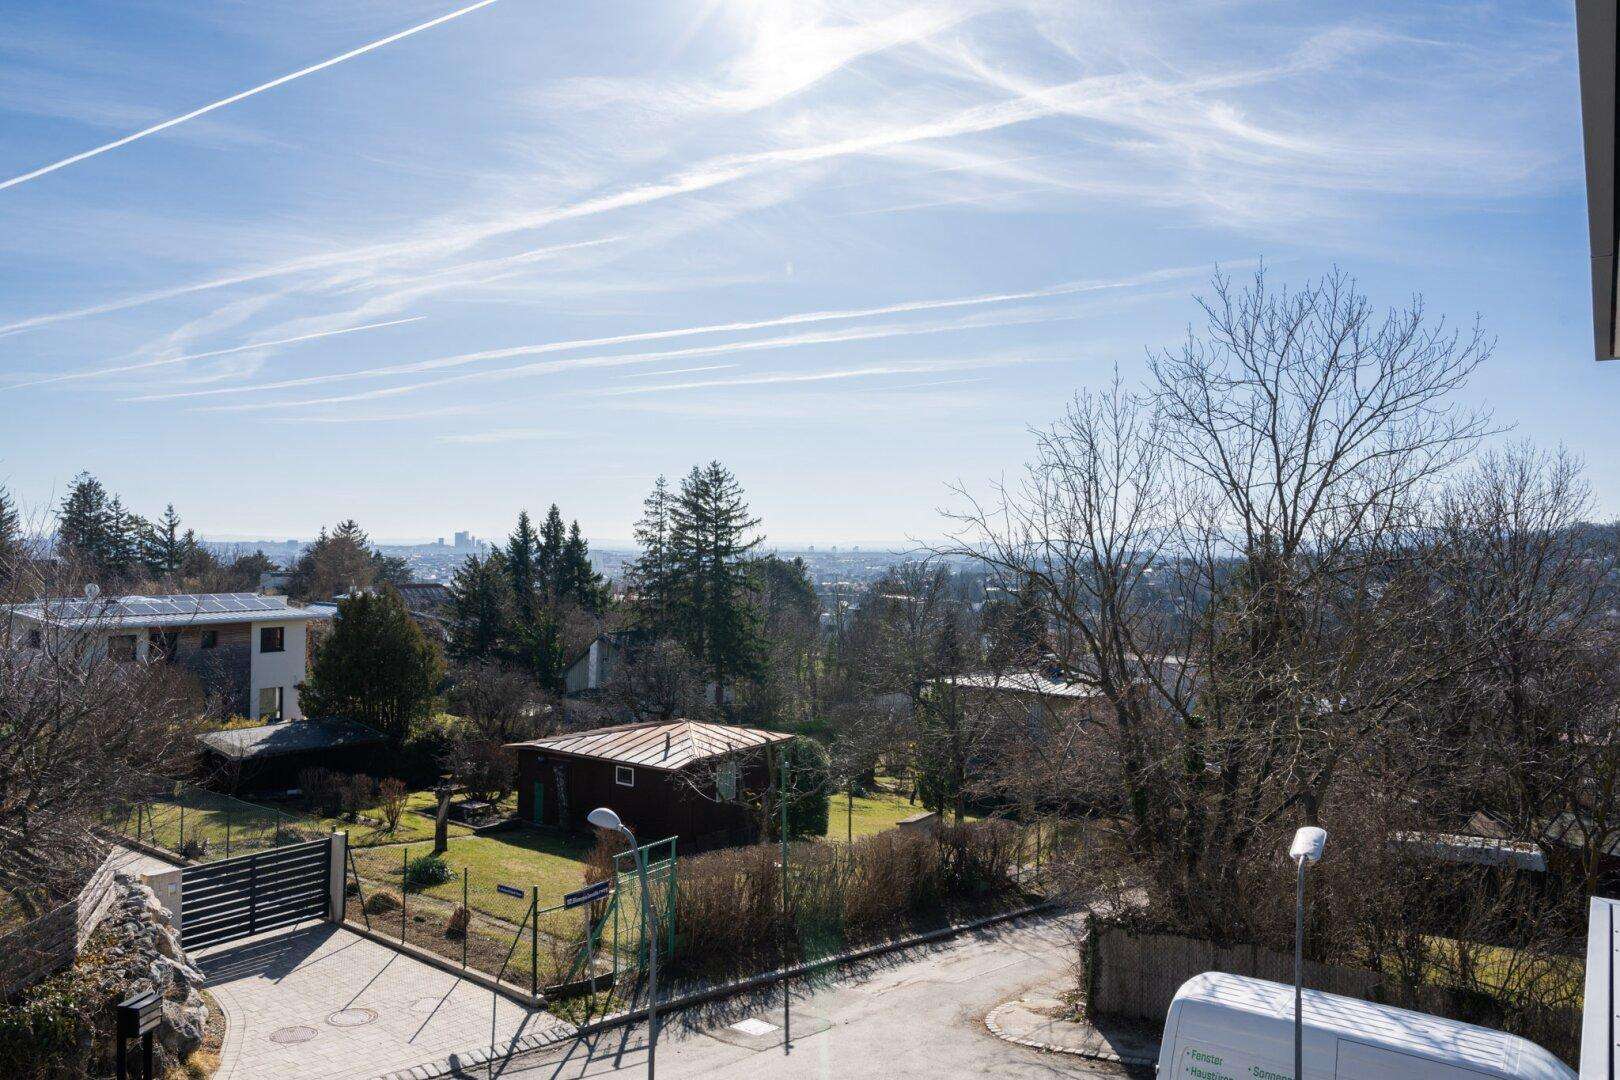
(391,795)
(426,871)
(321,791)
(359,791)
(380,903)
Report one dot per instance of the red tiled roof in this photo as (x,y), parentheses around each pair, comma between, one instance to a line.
(671,746)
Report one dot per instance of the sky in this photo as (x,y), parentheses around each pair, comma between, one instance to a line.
(424,264)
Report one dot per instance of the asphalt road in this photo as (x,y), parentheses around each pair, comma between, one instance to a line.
(919,1014)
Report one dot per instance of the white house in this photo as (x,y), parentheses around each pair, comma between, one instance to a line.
(251,650)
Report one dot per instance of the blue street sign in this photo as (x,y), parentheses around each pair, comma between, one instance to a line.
(587,895)
(510,890)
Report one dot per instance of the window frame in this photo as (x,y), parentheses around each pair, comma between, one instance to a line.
(280,633)
(209,639)
(280,712)
(619,774)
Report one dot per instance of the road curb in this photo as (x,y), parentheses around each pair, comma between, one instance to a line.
(1058,1048)
(697,997)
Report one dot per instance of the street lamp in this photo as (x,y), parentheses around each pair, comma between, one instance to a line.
(604,818)
(1307,848)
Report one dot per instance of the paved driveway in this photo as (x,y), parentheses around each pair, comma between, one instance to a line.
(324,1002)
(915,1016)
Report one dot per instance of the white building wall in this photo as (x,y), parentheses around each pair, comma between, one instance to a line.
(285,669)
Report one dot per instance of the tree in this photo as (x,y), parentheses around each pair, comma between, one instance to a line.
(650,574)
(578,580)
(166,548)
(482,610)
(11,536)
(523,567)
(712,582)
(553,538)
(97,532)
(375,667)
(498,703)
(338,562)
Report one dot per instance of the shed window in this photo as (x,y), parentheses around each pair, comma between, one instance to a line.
(624,776)
(725,780)
(272,639)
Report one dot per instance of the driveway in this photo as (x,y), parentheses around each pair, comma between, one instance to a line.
(325,1002)
(918,1017)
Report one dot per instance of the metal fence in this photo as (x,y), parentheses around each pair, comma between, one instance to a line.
(203,825)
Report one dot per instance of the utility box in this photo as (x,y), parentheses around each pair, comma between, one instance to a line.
(1232,1027)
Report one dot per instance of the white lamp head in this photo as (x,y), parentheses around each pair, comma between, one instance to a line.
(1308,844)
(603,818)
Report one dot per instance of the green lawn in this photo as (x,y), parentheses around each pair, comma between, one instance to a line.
(522,858)
(873,814)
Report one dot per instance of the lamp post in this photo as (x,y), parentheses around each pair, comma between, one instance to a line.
(1307,848)
(604,818)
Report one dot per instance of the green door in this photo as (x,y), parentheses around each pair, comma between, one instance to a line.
(537,809)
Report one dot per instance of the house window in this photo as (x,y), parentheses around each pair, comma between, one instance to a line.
(210,638)
(725,780)
(121,646)
(624,776)
(164,645)
(272,639)
(35,639)
(269,704)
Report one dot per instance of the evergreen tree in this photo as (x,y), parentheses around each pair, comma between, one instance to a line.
(337,562)
(579,581)
(165,548)
(650,574)
(11,538)
(95,529)
(375,667)
(712,584)
(482,610)
(553,539)
(523,566)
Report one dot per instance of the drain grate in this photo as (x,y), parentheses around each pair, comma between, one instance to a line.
(352,1017)
(297,1033)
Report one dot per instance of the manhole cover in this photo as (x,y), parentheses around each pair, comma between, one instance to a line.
(351,1017)
(752,1026)
(296,1034)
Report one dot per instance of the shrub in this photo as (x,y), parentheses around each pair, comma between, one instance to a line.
(426,871)
(358,792)
(321,790)
(381,903)
(391,794)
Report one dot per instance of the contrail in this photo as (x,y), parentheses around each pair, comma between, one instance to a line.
(205,355)
(234,98)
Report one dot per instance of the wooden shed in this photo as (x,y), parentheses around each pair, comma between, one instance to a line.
(700,782)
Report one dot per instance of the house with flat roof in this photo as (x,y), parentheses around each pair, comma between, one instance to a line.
(248,651)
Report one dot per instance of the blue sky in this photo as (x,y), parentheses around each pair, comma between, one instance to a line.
(542,252)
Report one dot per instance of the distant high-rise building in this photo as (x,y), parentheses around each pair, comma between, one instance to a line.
(440,541)
(463,540)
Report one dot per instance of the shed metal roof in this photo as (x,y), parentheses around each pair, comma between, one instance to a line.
(671,746)
(1024,682)
(287,737)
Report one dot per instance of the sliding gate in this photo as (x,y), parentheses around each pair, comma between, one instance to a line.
(223,901)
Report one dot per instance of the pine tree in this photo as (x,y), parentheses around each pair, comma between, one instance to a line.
(337,562)
(94,528)
(712,585)
(375,667)
(553,539)
(165,548)
(580,583)
(523,566)
(11,538)
(650,574)
(481,610)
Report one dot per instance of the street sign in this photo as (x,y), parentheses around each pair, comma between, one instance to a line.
(509,890)
(588,894)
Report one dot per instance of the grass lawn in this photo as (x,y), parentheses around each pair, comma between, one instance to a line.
(519,857)
(873,814)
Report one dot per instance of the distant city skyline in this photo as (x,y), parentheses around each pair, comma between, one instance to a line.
(289,263)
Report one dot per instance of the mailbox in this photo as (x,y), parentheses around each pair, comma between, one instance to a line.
(139,1014)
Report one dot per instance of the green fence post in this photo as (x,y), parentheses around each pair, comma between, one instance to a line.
(182,846)
(404,865)
(534,941)
(227,834)
(466,931)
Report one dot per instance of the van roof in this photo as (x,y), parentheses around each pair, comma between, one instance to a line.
(1494,1053)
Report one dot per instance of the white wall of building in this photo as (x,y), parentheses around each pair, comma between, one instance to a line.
(284,669)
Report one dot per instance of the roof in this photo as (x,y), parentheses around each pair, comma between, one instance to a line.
(1025,682)
(1479,850)
(287,737)
(181,609)
(1371,1027)
(671,746)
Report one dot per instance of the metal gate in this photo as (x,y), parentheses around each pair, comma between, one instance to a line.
(233,898)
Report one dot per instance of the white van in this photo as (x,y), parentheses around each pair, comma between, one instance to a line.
(1230,1027)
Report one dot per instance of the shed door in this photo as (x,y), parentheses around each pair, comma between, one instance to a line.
(537,808)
